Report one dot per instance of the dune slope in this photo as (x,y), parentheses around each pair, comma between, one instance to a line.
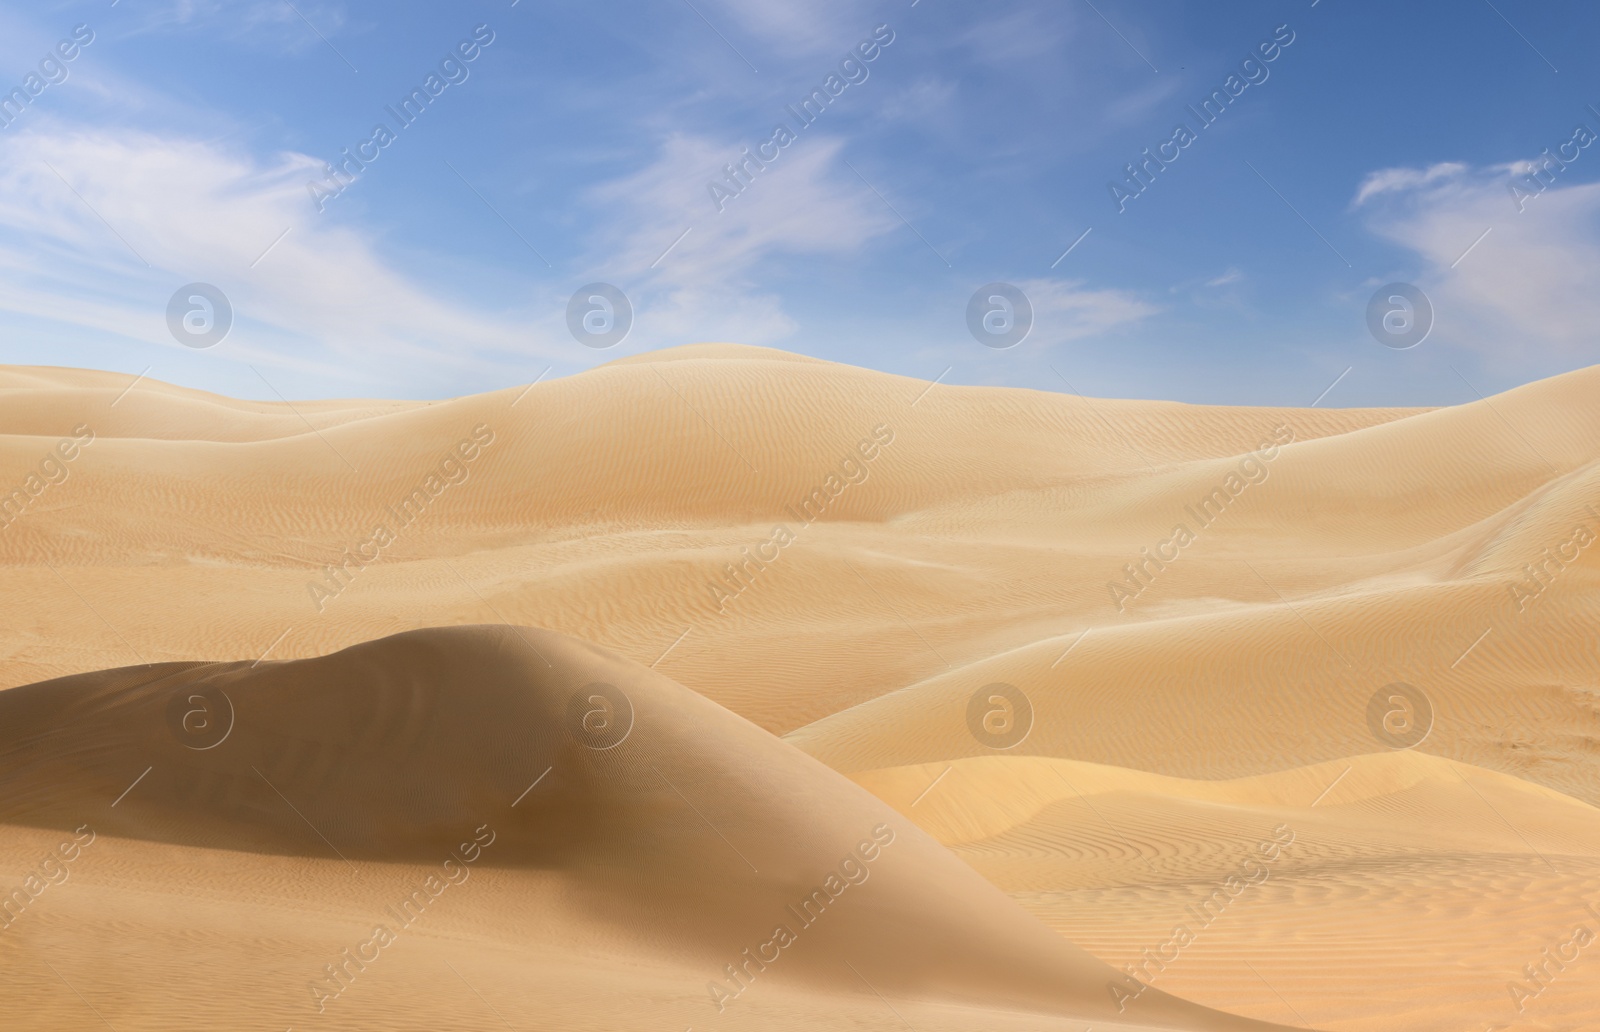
(636,812)
(1174,601)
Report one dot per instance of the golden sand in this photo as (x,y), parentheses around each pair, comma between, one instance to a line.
(382,621)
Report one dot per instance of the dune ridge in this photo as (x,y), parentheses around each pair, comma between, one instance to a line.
(638,507)
(414,747)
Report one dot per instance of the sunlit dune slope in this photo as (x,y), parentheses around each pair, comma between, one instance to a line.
(635,816)
(994,518)
(1430,885)
(1207,610)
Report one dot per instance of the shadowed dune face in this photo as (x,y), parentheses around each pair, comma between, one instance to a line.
(389,746)
(681,827)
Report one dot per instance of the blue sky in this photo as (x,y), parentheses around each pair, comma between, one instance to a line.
(1380,145)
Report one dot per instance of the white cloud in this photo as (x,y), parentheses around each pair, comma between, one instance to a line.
(796,27)
(1063,310)
(929,100)
(262,24)
(807,202)
(1142,106)
(1026,40)
(802,203)
(683,315)
(1524,289)
(1397,180)
(99,227)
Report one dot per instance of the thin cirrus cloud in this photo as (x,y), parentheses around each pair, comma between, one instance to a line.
(1065,310)
(1496,273)
(99,226)
(790,28)
(694,264)
(697,271)
(269,25)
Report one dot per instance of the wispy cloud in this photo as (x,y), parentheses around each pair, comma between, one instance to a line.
(271,25)
(1402,180)
(788,27)
(1064,310)
(98,228)
(704,285)
(1530,280)
(1019,40)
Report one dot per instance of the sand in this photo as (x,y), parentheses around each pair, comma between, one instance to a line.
(374,617)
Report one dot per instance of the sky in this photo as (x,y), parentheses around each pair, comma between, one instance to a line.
(501,158)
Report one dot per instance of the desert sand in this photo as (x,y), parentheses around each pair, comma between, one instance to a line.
(1076,712)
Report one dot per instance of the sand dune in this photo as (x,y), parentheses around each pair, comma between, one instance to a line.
(1404,866)
(464,744)
(843,559)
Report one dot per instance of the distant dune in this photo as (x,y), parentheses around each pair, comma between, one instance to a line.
(1195,717)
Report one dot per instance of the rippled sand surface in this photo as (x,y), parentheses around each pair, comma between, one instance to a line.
(1095,712)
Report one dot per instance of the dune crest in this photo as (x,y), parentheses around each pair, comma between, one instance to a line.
(1205,616)
(684,831)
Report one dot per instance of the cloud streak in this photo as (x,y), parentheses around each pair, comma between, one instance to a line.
(704,286)
(1529,281)
(98,227)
